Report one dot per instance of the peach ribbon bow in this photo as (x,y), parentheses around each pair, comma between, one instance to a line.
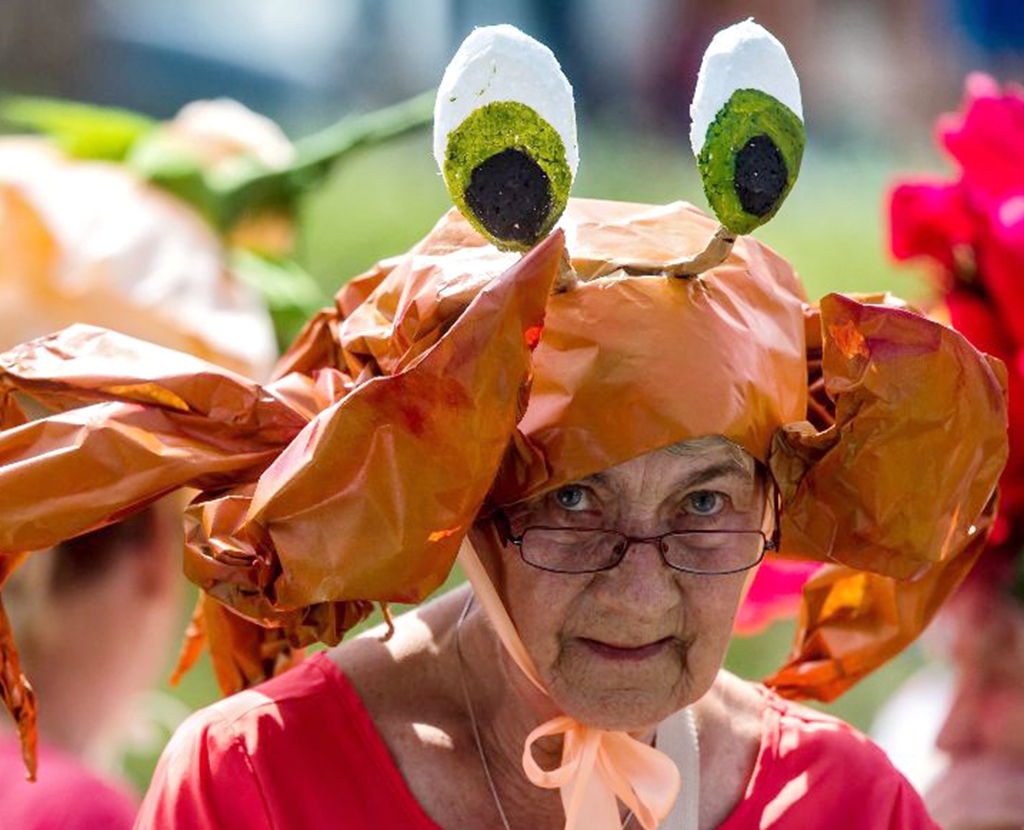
(597,766)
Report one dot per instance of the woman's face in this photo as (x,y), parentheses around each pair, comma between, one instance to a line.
(624,648)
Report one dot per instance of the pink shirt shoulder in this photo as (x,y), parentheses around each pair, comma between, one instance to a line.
(814,770)
(65,796)
(301,752)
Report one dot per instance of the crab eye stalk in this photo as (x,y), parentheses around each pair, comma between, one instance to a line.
(747,128)
(505,136)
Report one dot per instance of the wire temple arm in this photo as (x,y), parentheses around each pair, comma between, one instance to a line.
(715,253)
(566,278)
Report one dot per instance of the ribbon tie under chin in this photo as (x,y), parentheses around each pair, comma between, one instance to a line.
(599,767)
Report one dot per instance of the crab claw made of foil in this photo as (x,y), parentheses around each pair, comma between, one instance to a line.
(447,382)
(132,422)
(898,509)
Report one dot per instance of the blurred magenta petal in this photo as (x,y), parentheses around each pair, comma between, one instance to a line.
(987,139)
(973,225)
(775,594)
(1000,259)
(974,317)
(928,218)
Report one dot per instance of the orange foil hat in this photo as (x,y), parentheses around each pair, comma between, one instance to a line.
(452,380)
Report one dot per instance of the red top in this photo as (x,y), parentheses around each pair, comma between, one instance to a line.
(302,752)
(65,796)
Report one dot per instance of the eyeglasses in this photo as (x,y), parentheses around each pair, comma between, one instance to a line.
(589,550)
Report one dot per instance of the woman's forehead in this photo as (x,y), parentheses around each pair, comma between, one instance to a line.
(686,464)
(711,448)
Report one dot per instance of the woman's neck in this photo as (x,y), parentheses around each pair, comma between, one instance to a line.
(506,707)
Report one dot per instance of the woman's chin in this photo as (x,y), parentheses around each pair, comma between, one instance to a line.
(621,711)
(626,698)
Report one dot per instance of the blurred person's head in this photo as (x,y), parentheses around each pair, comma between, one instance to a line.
(982,786)
(89,241)
(95,618)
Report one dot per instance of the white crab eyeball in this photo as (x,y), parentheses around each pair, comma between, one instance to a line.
(747,128)
(505,135)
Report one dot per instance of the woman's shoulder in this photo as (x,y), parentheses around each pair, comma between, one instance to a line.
(309,745)
(333,691)
(263,753)
(257,715)
(379,664)
(795,734)
(810,764)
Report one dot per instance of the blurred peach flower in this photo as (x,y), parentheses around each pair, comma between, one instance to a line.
(90,240)
(221,130)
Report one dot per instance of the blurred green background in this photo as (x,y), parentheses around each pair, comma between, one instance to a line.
(382,200)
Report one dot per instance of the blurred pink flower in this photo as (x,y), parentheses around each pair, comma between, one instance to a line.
(986,139)
(775,593)
(972,228)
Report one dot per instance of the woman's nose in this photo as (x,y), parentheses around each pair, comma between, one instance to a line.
(641,582)
(961,732)
(986,716)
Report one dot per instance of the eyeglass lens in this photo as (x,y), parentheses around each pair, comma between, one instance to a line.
(582,551)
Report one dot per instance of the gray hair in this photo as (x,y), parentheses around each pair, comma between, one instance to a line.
(698,446)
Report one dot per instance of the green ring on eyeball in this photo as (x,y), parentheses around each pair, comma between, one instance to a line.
(492,129)
(748,114)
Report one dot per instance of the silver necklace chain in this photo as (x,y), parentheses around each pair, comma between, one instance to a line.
(476,727)
(472,714)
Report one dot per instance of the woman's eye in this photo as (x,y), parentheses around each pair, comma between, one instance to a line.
(571,498)
(747,130)
(705,503)
(505,136)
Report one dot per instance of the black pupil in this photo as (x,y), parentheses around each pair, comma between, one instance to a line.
(511,196)
(703,502)
(569,496)
(760,177)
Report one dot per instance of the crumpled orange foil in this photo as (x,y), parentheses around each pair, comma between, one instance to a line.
(149,420)
(853,621)
(450,380)
(888,489)
(15,691)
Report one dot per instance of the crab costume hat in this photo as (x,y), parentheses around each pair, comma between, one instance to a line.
(468,375)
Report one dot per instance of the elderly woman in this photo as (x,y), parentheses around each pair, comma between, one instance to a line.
(609,433)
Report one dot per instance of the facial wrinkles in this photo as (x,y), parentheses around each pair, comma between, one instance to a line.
(609,611)
(647,502)
(641,601)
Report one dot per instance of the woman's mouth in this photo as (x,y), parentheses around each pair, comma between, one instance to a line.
(624,653)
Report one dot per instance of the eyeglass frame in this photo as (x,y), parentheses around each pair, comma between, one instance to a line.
(504,527)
